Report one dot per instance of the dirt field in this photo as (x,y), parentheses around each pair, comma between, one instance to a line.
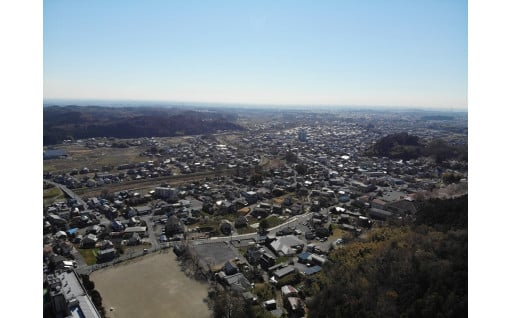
(153,286)
(80,156)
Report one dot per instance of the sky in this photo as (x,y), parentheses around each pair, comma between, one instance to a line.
(337,53)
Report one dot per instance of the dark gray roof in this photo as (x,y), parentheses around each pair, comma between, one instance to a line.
(284,271)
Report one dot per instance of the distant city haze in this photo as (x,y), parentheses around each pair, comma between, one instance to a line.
(288,53)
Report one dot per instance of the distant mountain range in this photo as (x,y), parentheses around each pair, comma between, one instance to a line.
(80,122)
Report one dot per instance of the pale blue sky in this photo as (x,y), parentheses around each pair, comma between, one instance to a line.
(368,53)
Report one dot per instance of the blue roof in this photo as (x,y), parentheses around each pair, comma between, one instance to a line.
(312,270)
(72,231)
(304,255)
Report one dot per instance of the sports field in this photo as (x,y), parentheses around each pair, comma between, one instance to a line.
(153,286)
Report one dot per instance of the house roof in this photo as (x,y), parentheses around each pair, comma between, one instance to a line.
(295,302)
(135,229)
(304,255)
(286,243)
(284,271)
(312,270)
(72,289)
(288,289)
(238,282)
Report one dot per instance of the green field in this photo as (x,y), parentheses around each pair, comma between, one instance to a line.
(52,194)
(89,255)
(274,221)
(245,230)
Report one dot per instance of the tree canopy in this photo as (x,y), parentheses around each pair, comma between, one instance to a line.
(409,271)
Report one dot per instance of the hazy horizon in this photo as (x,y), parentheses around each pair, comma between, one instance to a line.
(291,54)
(185,104)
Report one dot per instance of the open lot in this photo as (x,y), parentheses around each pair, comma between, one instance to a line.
(214,254)
(153,286)
(80,156)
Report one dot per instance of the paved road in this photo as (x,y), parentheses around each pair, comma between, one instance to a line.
(67,191)
(291,222)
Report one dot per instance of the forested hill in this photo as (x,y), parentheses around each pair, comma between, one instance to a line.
(419,270)
(406,147)
(79,122)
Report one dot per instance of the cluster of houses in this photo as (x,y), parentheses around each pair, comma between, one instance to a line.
(316,168)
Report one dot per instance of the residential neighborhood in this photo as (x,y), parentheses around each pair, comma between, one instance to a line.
(256,212)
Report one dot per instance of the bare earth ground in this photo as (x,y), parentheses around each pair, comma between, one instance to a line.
(80,156)
(153,286)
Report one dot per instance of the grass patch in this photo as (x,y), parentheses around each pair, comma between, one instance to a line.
(52,192)
(263,291)
(89,255)
(282,259)
(51,195)
(245,230)
(274,221)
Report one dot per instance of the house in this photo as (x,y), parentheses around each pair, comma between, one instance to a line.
(237,282)
(61,235)
(270,304)
(166,193)
(105,244)
(379,214)
(78,239)
(289,291)
(303,257)
(364,221)
(344,218)
(63,248)
(250,298)
(259,212)
(282,272)
(378,203)
(311,270)
(277,208)
(143,210)
(117,226)
(56,220)
(141,230)
(133,221)
(251,197)
(95,229)
(295,304)
(105,255)
(287,245)
(68,297)
(229,268)
(317,259)
(267,260)
(285,231)
(89,241)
